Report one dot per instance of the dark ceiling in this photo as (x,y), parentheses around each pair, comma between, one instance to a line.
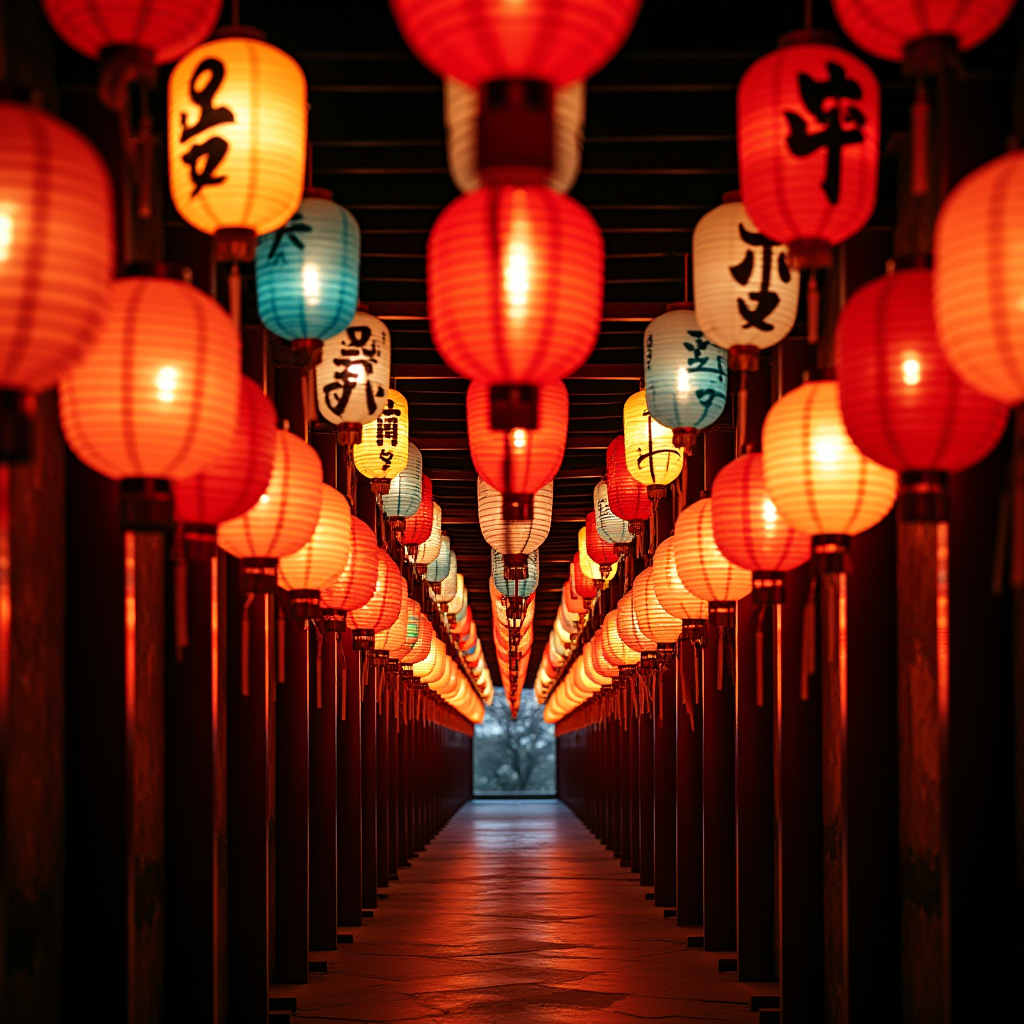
(660,151)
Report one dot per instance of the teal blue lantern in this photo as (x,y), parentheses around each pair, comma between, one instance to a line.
(307,273)
(522,587)
(406,490)
(461,614)
(686,377)
(611,528)
(438,569)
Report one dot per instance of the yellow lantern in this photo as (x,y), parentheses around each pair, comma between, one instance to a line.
(591,569)
(236,139)
(651,455)
(383,451)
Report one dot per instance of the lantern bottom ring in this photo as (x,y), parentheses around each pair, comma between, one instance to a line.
(722,613)
(831,552)
(656,492)
(259,575)
(380,485)
(311,349)
(636,527)
(304,604)
(362,639)
(146,505)
(744,359)
(810,254)
(685,438)
(349,434)
(924,497)
(334,619)
(769,588)
(200,541)
(234,245)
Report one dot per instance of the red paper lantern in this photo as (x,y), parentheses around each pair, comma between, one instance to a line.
(601,551)
(515,284)
(572,601)
(57,247)
(626,496)
(884,28)
(809,125)
(749,530)
(584,586)
(382,609)
(167,28)
(356,583)
(481,41)
(234,483)
(903,405)
(518,462)
(418,526)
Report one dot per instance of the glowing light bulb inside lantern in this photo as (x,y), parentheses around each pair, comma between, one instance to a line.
(519,438)
(264,499)
(826,451)
(683,381)
(516,272)
(911,369)
(6,236)
(769,514)
(166,383)
(311,283)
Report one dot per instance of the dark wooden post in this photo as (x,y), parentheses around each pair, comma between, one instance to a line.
(625,771)
(634,790)
(665,787)
(645,739)
(689,790)
(369,777)
(394,784)
(350,811)
(383,780)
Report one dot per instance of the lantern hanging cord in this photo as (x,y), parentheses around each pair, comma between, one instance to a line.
(813,308)
(808,661)
(808,14)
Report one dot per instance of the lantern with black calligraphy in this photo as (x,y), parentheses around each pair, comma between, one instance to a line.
(236,139)
(902,403)
(610,527)
(307,273)
(808,119)
(353,374)
(651,456)
(383,451)
(686,378)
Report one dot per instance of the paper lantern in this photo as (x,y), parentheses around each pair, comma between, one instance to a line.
(322,557)
(516,588)
(885,28)
(56,246)
(394,639)
(424,641)
(307,273)
(406,490)
(902,403)
(627,497)
(654,620)
(615,649)
(515,285)
(462,134)
(286,514)
(571,599)
(744,291)
(383,451)
(419,524)
(438,569)
(353,374)
(157,393)
(610,527)
(808,120)
(651,456)
(979,279)
(382,609)
(584,585)
(701,566)
(484,42)
(629,625)
(511,536)
(357,581)
(429,549)
(236,136)
(600,550)
(234,482)
(458,606)
(819,480)
(674,597)
(166,28)
(518,462)
(590,568)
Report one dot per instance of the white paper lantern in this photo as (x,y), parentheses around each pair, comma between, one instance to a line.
(354,372)
(431,547)
(743,288)
(513,537)
(462,121)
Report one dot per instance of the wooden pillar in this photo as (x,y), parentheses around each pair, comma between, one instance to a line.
(395,784)
(350,812)
(645,738)
(383,781)
(615,772)
(755,797)
(625,762)
(689,790)
(634,790)
(402,775)
(665,787)
(369,777)
(196,808)
(249,785)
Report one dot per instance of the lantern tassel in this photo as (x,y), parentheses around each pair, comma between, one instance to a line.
(813,308)
(180,599)
(280,645)
(808,662)
(341,667)
(721,654)
(235,295)
(246,633)
(319,663)
(920,122)
(741,413)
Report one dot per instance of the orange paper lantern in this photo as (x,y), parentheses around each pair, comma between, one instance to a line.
(702,567)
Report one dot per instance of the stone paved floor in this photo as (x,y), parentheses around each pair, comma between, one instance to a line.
(516,913)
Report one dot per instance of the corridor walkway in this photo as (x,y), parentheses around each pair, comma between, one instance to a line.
(516,913)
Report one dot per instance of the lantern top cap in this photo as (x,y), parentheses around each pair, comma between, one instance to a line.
(362,307)
(315,192)
(672,306)
(819,373)
(171,271)
(239,31)
(805,36)
(734,195)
